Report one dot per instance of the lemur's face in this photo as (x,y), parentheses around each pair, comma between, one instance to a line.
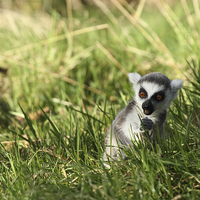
(151,97)
(154,92)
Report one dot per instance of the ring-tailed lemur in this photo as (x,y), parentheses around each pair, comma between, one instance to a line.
(153,94)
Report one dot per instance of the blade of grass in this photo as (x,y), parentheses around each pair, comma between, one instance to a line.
(30,124)
(56,130)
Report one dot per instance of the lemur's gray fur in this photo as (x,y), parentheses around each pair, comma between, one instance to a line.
(153,94)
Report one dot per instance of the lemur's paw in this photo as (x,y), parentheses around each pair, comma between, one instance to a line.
(147,124)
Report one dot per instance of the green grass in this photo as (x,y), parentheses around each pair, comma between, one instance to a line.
(66,82)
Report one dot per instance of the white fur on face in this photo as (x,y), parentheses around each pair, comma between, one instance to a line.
(151,89)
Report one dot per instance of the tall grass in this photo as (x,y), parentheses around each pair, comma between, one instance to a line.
(65,83)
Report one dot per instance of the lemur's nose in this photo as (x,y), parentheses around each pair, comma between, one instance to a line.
(147,106)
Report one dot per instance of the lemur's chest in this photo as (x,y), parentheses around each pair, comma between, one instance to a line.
(132,124)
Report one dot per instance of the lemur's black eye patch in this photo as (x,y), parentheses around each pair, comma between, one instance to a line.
(159,96)
(143,93)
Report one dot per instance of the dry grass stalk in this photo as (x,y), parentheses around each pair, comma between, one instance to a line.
(196,8)
(140,8)
(55,39)
(110,57)
(58,76)
(145,30)
(190,19)
(106,11)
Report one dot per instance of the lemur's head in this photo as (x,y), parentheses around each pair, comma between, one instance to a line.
(154,92)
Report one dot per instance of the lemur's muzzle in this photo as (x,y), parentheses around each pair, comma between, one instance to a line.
(147,107)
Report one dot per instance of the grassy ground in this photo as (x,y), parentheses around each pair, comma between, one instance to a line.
(63,80)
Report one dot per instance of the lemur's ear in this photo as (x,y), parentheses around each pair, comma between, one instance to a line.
(134,78)
(176,85)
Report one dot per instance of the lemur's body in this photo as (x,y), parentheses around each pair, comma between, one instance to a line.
(153,95)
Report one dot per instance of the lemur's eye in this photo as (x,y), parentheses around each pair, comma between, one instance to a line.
(142,94)
(159,97)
